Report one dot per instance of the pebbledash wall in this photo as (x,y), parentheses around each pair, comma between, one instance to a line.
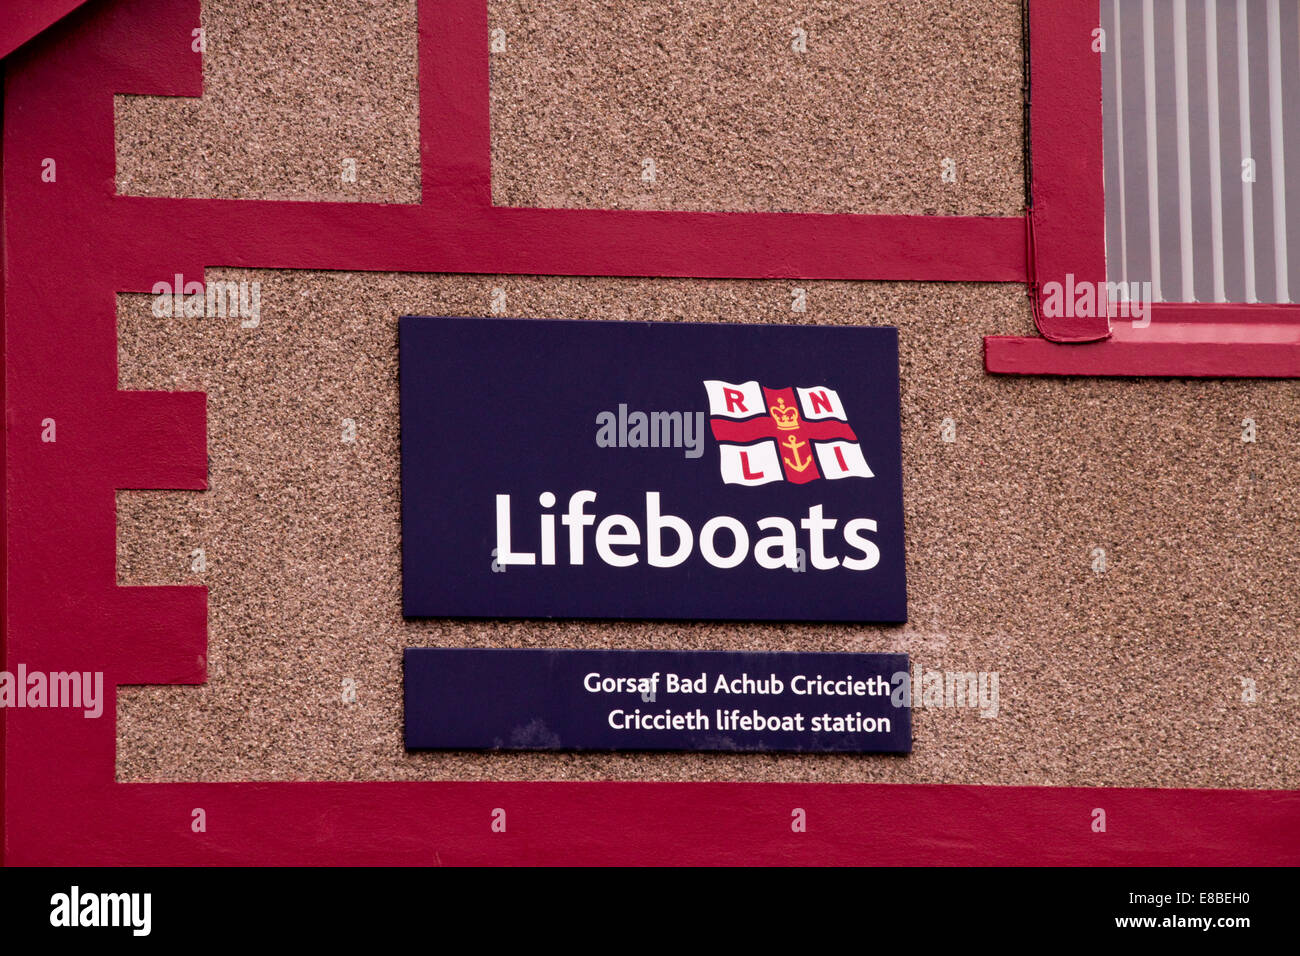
(1111,548)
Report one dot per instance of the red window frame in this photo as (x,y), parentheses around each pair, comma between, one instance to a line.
(71,246)
(1066,234)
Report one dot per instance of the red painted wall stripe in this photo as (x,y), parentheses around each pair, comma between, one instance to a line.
(24,19)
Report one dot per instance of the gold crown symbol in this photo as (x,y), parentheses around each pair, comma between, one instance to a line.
(785,416)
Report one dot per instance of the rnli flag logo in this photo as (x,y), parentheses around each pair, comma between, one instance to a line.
(782,434)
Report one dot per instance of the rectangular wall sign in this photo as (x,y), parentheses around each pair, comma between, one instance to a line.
(479,699)
(650,470)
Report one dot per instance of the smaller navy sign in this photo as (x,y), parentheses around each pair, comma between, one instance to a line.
(481,699)
(650,470)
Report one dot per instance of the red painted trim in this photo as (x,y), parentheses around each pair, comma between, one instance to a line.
(1067,222)
(4,479)
(1225,313)
(497,239)
(455,120)
(1194,340)
(1227,358)
(73,244)
(23,19)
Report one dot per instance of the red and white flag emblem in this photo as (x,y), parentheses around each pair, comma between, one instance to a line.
(782,434)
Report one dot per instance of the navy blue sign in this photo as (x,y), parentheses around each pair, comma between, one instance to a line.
(650,470)
(476,699)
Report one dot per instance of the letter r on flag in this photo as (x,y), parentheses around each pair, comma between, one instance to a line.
(735,401)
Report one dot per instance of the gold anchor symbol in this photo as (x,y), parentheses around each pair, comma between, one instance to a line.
(794,447)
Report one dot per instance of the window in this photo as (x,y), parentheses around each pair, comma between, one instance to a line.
(1201,100)
(1127,99)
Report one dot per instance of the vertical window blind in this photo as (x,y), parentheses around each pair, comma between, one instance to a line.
(1201,101)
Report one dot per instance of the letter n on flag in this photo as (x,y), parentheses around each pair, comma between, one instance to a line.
(782,434)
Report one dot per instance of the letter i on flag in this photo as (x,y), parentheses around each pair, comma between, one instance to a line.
(782,434)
